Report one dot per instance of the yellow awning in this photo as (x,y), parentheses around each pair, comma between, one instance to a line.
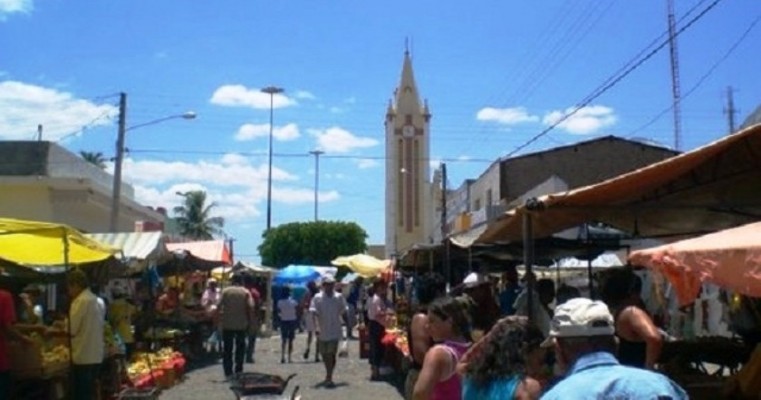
(44,243)
(364,265)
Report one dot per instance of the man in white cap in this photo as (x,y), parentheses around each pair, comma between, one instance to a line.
(328,309)
(583,335)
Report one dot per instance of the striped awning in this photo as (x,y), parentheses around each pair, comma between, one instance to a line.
(139,246)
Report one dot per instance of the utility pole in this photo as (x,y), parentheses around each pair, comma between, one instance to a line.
(272,91)
(316,154)
(730,110)
(676,95)
(444,230)
(39,132)
(117,189)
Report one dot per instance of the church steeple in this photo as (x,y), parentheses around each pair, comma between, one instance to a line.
(407,97)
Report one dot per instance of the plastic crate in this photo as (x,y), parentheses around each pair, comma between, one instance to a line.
(138,394)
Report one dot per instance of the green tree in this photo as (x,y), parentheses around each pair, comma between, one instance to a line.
(311,243)
(95,158)
(194,217)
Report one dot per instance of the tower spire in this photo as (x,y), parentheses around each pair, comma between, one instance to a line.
(406,96)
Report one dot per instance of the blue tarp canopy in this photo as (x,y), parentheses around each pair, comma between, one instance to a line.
(296,275)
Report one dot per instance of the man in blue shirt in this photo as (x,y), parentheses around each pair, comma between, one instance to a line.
(582,334)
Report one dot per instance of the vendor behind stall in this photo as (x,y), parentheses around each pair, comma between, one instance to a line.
(31,306)
(7,331)
(168,302)
(121,314)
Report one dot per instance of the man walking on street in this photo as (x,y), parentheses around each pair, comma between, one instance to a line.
(235,319)
(328,308)
(86,320)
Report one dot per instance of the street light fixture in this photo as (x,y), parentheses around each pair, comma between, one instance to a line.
(117,188)
(316,154)
(272,91)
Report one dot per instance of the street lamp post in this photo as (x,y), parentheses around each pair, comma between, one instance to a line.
(117,188)
(316,154)
(272,91)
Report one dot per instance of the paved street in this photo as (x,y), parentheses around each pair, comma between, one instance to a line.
(351,377)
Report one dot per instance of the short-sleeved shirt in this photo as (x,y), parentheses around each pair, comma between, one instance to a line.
(328,310)
(235,306)
(87,319)
(7,318)
(600,376)
(120,314)
(287,309)
(376,309)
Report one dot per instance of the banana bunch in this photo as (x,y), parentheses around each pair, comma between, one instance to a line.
(57,355)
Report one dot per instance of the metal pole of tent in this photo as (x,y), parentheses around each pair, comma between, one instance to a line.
(66,266)
(589,264)
(528,261)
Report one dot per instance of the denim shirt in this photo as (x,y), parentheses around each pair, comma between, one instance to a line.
(600,376)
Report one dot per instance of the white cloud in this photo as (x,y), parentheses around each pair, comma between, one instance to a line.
(339,140)
(24,106)
(238,188)
(336,110)
(8,7)
(586,121)
(506,116)
(282,133)
(434,163)
(464,158)
(306,95)
(224,173)
(366,163)
(241,96)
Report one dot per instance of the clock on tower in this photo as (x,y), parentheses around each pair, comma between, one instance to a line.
(408,131)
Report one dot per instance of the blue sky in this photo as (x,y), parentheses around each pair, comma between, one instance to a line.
(495,73)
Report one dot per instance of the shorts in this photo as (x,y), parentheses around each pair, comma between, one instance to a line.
(288,329)
(327,347)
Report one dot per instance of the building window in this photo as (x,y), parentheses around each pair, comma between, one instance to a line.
(489,198)
(477,205)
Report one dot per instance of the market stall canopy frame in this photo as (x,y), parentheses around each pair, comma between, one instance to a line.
(730,258)
(138,249)
(708,189)
(44,243)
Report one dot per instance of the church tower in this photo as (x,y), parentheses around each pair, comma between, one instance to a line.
(408,192)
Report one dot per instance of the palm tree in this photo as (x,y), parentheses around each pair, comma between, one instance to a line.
(194,217)
(95,158)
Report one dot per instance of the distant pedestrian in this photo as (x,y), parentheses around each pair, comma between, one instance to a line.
(328,308)
(286,309)
(235,319)
(377,313)
(253,331)
(308,319)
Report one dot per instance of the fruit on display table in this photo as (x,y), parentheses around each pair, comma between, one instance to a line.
(150,367)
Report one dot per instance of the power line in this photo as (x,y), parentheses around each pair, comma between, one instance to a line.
(704,77)
(612,82)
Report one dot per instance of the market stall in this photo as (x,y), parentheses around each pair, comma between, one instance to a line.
(731,259)
(41,368)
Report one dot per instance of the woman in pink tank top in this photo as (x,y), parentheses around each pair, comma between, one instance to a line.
(449,326)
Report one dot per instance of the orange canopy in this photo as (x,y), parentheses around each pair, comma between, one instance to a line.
(708,189)
(730,258)
(209,250)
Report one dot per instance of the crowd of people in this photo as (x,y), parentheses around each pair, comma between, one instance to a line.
(578,349)
(479,340)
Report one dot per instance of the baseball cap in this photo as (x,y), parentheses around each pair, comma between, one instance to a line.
(581,317)
(328,279)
